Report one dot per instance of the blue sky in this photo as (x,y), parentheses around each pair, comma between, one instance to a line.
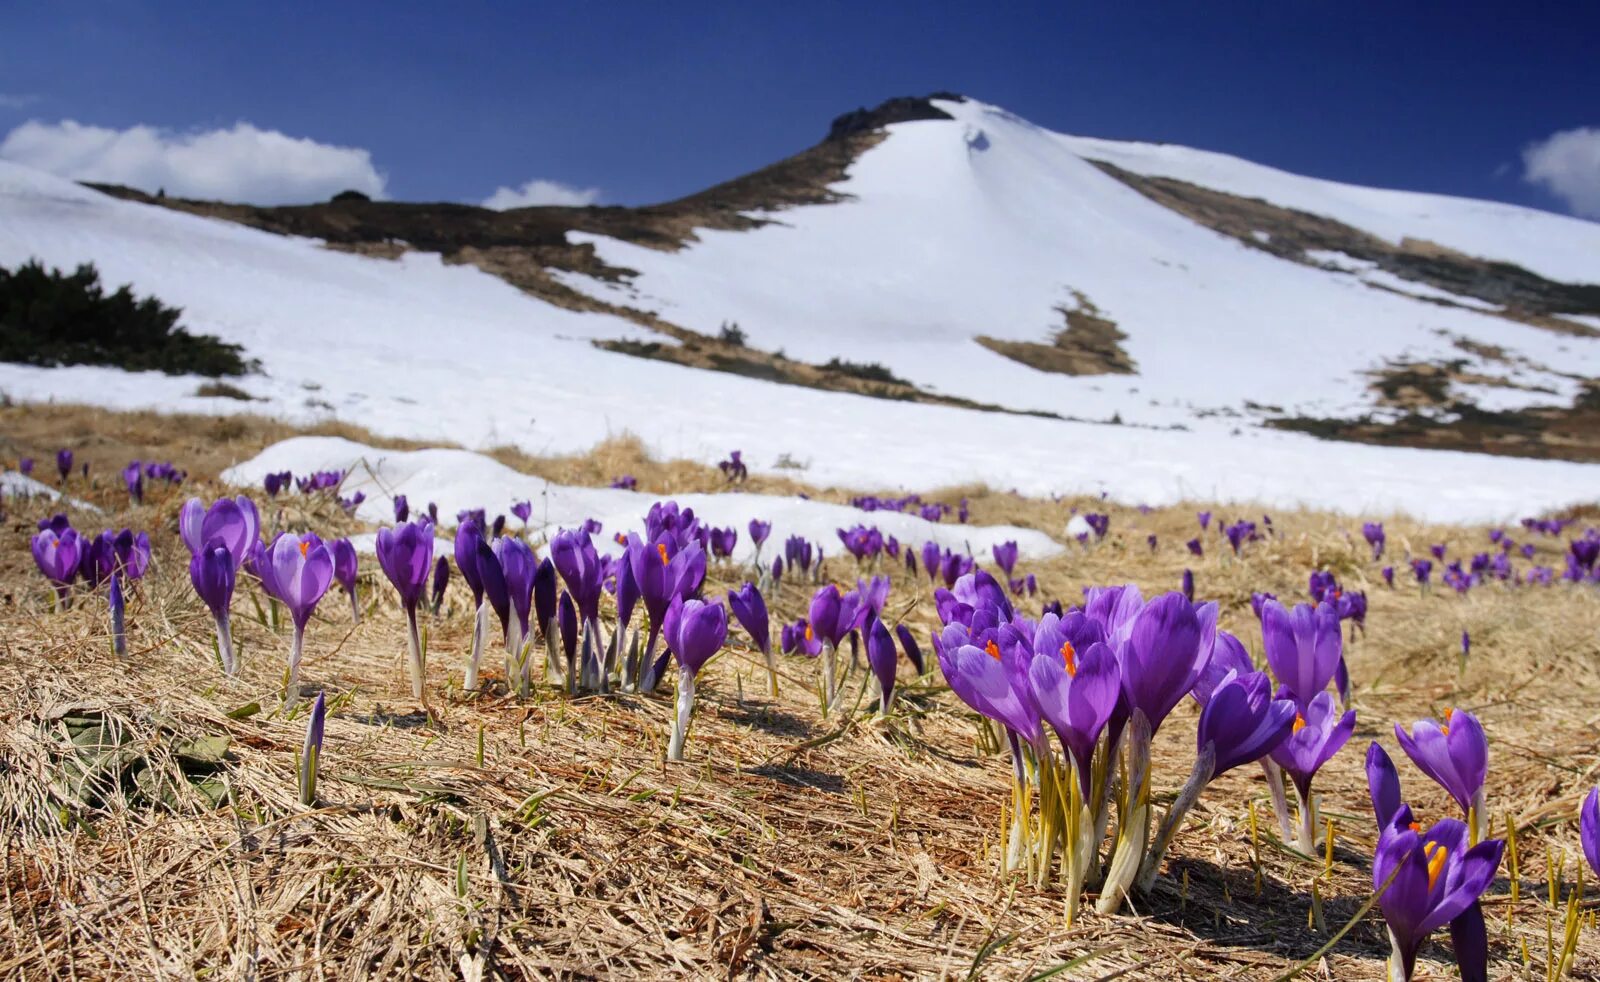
(647,101)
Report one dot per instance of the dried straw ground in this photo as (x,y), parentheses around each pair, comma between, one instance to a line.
(788,847)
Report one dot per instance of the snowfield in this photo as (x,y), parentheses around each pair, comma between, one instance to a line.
(458,480)
(982,225)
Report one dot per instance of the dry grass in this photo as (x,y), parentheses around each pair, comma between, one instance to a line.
(789,846)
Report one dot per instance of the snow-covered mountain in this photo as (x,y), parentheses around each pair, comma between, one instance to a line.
(1188,296)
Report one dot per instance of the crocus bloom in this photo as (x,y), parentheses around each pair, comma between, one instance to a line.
(908,644)
(1005,556)
(1304,647)
(579,565)
(402,508)
(1589,829)
(1240,724)
(1195,547)
(405,553)
(882,659)
(344,570)
(441,580)
(233,520)
(311,750)
(212,571)
(1319,732)
(297,571)
(1076,693)
(133,553)
(25,465)
(750,609)
(1388,576)
(1373,533)
(694,631)
(133,477)
(119,637)
(58,554)
(1455,754)
(759,531)
(1187,584)
(517,566)
(64,463)
(1422,569)
(1430,879)
(98,560)
(1164,656)
(523,510)
(1228,656)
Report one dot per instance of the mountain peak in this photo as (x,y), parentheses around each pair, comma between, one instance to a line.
(900,109)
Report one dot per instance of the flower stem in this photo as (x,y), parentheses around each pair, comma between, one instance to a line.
(355,607)
(479,629)
(680,726)
(291,685)
(1280,801)
(1306,840)
(827,678)
(1204,765)
(1133,834)
(230,664)
(414,654)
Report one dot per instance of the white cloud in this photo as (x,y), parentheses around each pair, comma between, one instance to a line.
(1567,164)
(17,100)
(238,164)
(539,192)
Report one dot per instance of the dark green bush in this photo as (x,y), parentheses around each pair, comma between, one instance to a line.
(52,318)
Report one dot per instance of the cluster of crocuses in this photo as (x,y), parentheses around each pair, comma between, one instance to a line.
(64,555)
(1104,678)
(319,481)
(137,472)
(64,458)
(836,616)
(733,468)
(1428,878)
(1495,565)
(931,511)
(867,543)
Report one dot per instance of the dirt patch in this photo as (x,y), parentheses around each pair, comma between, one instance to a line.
(1525,297)
(1555,433)
(1089,344)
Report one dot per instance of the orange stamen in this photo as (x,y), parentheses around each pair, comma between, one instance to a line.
(1069,657)
(304,545)
(1416,826)
(1299,722)
(993,650)
(1436,854)
(661,547)
(809,635)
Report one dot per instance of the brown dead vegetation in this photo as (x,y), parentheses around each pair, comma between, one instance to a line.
(1089,344)
(788,847)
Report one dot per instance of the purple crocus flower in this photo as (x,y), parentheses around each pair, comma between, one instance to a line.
(1239,533)
(523,510)
(930,558)
(759,531)
(233,520)
(1589,829)
(345,567)
(441,580)
(405,553)
(97,561)
(908,644)
(133,477)
(1373,533)
(777,570)
(517,566)
(1152,541)
(1243,722)
(1422,569)
(212,569)
(1187,585)
(402,508)
(297,571)
(1431,879)
(1005,556)
(1303,646)
(1195,547)
(133,553)
(694,631)
(311,750)
(1438,549)
(1455,754)
(1319,732)
(1228,656)
(275,482)
(566,622)
(119,636)
(1076,694)
(1165,652)
(496,594)
(64,463)
(751,611)
(1205,519)
(25,465)
(882,658)
(578,563)
(1388,576)
(469,534)
(58,555)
